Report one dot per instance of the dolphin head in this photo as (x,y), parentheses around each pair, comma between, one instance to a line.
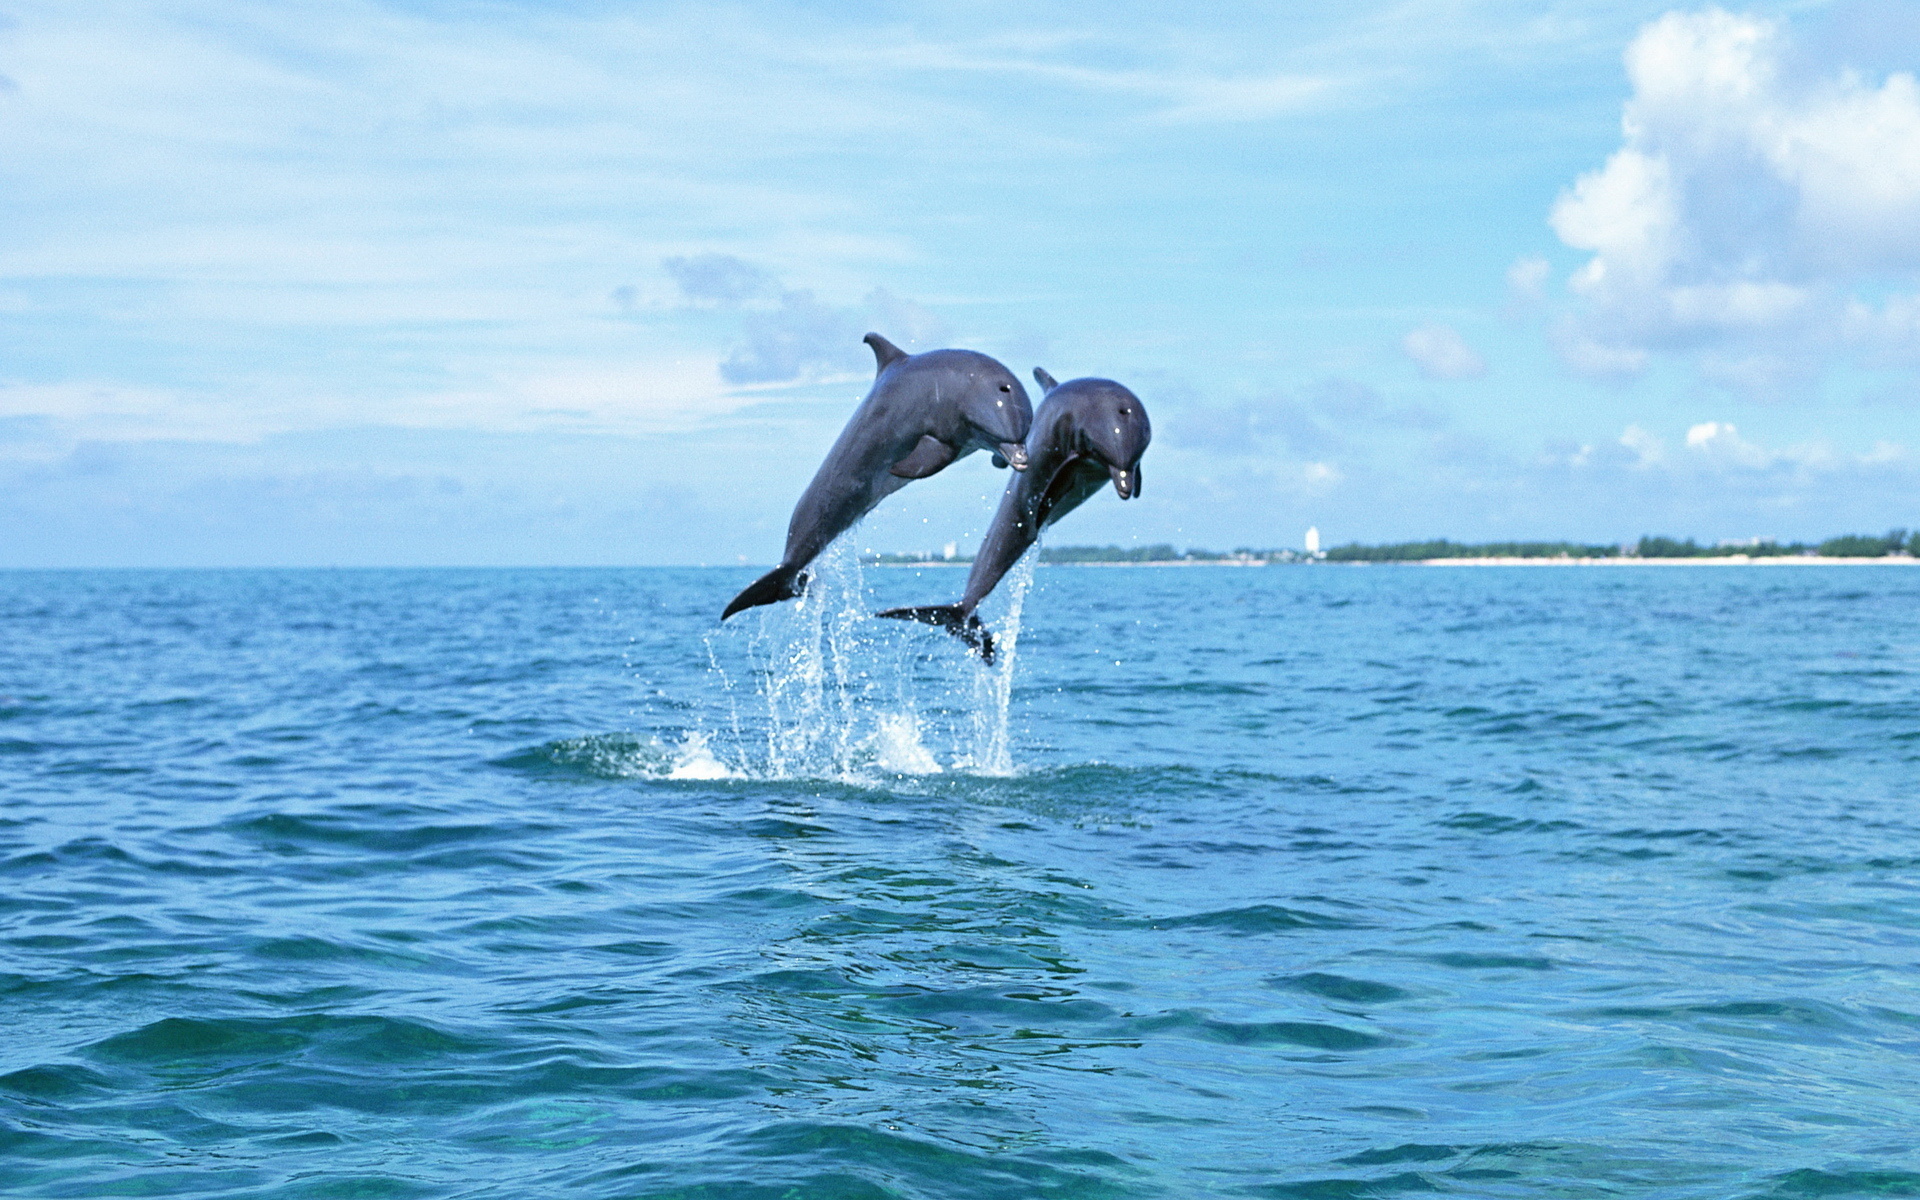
(1113,428)
(998,409)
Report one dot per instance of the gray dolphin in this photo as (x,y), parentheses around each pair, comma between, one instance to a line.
(923,412)
(1086,432)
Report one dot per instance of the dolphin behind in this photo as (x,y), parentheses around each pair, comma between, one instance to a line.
(924,412)
(1086,433)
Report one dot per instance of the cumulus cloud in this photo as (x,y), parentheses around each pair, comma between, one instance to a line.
(1441,353)
(1750,198)
(1716,455)
(1722,443)
(1718,450)
(802,338)
(790,335)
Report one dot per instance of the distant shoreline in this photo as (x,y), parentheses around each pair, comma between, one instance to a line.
(1726,560)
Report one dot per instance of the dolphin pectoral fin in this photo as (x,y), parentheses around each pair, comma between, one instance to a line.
(964,625)
(1047,382)
(1057,489)
(781,583)
(885,353)
(928,457)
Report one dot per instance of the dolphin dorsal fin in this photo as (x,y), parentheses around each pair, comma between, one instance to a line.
(885,353)
(1047,382)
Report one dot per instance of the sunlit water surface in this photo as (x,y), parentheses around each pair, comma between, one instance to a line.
(1277,882)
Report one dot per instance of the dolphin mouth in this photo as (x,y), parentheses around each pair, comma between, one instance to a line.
(1126,482)
(1015,454)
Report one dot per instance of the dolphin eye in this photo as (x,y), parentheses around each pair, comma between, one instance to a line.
(1006,387)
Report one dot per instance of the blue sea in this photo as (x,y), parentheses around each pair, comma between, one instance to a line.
(1314,882)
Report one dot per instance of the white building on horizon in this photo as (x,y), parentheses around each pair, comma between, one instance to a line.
(1313,539)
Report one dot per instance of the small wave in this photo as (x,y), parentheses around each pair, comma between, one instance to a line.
(1342,988)
(1491,962)
(1255,919)
(173,1042)
(625,756)
(1313,1035)
(1810,1182)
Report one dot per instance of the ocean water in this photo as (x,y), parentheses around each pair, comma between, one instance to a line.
(1279,882)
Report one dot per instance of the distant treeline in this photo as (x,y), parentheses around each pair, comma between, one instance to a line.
(1442,548)
(1160,552)
(1849,545)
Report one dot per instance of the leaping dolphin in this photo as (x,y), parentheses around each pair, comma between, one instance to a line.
(923,412)
(1086,432)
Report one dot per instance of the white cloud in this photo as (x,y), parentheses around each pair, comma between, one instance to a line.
(1441,353)
(1748,200)
(1721,442)
(1209,100)
(628,398)
(1718,454)
(1648,450)
(1527,279)
(1176,93)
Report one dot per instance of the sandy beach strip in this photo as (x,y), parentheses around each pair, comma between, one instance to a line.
(1726,560)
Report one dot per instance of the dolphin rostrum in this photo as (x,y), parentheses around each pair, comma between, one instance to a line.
(1085,432)
(923,412)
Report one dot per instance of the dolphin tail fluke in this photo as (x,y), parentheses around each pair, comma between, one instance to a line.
(781,583)
(964,625)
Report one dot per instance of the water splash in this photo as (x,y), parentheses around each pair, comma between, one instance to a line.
(828,692)
(811,675)
(695,760)
(898,746)
(991,752)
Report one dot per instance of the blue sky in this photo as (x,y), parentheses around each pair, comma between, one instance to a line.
(416,283)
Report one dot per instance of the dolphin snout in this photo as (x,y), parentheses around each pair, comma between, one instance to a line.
(1125,481)
(1015,454)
